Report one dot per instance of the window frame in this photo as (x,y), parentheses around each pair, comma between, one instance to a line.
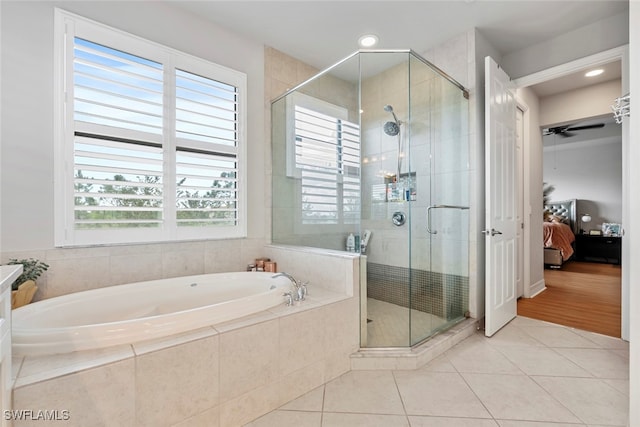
(67,26)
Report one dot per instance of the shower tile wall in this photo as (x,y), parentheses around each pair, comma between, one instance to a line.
(443,295)
(436,130)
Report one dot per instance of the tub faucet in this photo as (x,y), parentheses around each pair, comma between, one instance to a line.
(300,290)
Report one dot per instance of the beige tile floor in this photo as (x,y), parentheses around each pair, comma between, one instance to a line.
(530,374)
(389,326)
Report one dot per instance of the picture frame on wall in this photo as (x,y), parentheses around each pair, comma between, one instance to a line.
(611,229)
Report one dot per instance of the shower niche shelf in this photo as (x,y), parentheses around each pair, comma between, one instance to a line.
(400,190)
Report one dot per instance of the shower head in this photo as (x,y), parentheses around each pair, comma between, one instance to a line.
(391,128)
(389,109)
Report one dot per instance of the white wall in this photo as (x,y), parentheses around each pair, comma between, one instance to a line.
(27,102)
(590,171)
(591,101)
(533,206)
(593,38)
(27,145)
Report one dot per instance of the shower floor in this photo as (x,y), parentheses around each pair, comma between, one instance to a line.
(388,324)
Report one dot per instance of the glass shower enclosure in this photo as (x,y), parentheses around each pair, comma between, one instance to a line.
(372,156)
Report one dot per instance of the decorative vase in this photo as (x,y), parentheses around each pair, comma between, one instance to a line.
(24,294)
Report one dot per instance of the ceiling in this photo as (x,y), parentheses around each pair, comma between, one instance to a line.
(577,80)
(321,32)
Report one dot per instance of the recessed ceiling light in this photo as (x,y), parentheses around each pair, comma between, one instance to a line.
(368,40)
(594,73)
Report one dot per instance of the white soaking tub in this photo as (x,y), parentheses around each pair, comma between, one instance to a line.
(140,311)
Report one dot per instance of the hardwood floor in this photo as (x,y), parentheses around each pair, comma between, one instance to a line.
(582,295)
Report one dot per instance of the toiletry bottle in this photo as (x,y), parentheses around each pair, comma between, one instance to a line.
(351,243)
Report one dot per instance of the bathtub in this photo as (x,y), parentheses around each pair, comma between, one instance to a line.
(140,311)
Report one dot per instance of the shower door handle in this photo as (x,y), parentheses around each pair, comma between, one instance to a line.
(429,230)
(429,220)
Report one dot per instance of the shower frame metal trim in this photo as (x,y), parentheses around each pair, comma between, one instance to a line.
(438,70)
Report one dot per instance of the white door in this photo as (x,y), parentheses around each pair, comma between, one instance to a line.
(500,199)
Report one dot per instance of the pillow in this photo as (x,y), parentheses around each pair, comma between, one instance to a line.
(559,219)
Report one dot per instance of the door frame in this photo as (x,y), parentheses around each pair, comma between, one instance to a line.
(622,54)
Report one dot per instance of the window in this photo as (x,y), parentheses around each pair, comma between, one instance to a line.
(325,156)
(151,140)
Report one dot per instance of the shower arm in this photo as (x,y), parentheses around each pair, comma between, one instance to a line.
(429,230)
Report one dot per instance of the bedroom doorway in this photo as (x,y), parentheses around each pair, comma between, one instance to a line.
(535,281)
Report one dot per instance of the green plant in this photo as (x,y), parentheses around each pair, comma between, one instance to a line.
(547,189)
(31,270)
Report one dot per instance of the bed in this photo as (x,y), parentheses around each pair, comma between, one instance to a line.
(559,229)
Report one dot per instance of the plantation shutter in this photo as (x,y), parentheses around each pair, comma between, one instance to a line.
(118,122)
(206,151)
(327,155)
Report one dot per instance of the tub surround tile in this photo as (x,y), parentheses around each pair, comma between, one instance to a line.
(331,270)
(75,253)
(301,340)
(75,275)
(244,322)
(183,263)
(248,359)
(302,381)
(201,377)
(224,256)
(42,368)
(310,401)
(135,267)
(16,366)
(249,406)
(96,397)
(157,344)
(175,383)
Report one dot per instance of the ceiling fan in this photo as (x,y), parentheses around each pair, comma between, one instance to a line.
(569,130)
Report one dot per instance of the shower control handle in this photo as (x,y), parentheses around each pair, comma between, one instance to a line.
(398,218)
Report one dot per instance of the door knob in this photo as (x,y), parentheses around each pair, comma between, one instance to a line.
(491,232)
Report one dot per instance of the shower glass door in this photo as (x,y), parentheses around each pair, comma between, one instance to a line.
(387,191)
(439,153)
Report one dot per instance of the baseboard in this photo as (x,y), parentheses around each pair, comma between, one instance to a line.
(536,288)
